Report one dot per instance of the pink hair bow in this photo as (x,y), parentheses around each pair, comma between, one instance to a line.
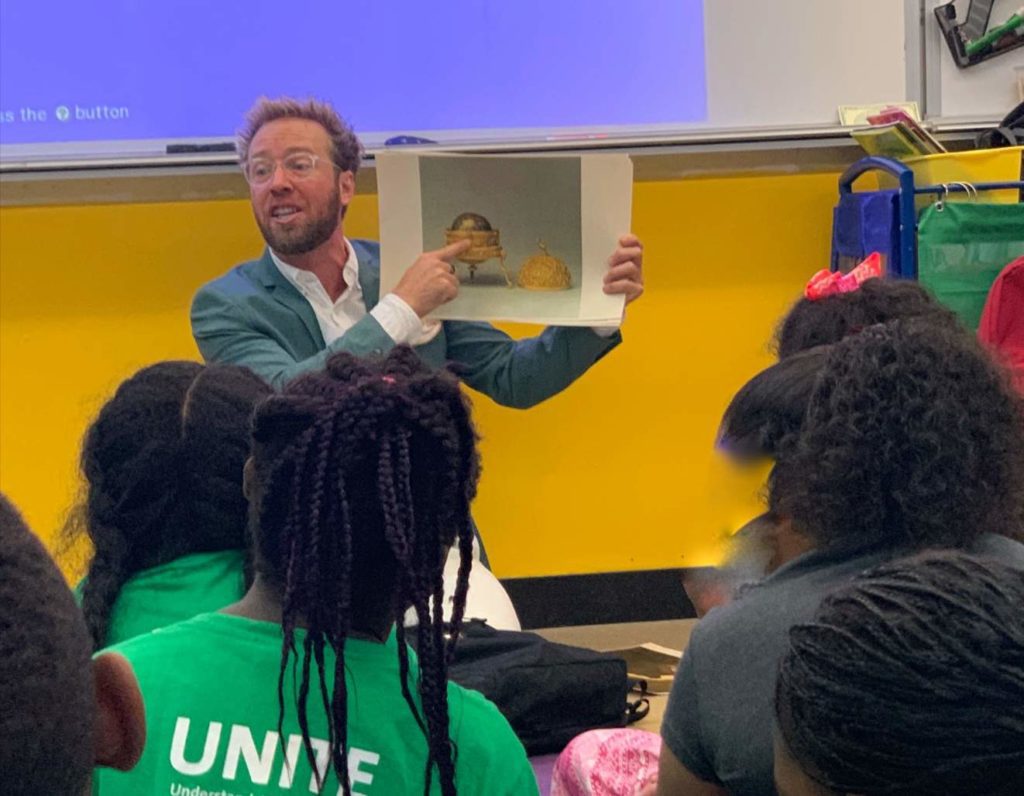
(827,283)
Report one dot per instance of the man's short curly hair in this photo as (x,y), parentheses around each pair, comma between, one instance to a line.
(346,151)
(829,320)
(913,438)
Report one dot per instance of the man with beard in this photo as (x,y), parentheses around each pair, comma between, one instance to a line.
(315,292)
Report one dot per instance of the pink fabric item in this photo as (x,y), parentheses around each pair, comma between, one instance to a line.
(607,763)
(1002,322)
(827,283)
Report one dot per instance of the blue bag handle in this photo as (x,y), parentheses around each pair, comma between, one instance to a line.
(905,202)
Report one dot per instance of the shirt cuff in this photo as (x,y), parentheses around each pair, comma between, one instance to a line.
(604,331)
(398,319)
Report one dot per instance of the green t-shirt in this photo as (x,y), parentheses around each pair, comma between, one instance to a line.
(183,588)
(210,689)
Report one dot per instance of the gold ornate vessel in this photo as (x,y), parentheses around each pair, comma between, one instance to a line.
(544,272)
(485,243)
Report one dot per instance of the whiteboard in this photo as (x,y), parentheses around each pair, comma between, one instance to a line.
(772,67)
(793,62)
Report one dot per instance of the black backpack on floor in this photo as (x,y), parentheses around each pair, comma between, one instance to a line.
(549,692)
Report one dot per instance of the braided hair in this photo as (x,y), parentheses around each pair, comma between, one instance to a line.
(162,465)
(911,680)
(364,475)
(828,320)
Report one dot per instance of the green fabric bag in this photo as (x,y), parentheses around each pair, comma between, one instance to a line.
(962,247)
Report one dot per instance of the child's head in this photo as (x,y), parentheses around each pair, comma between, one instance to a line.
(768,410)
(361,479)
(828,320)
(908,681)
(762,420)
(912,438)
(61,713)
(163,466)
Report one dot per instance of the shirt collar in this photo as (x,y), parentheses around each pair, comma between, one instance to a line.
(820,558)
(305,280)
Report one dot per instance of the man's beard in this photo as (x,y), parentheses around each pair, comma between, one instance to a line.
(308,237)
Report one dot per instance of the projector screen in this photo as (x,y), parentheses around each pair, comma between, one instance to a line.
(132,76)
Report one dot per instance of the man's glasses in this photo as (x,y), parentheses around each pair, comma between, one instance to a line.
(298,166)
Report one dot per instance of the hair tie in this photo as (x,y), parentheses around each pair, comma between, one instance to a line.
(827,283)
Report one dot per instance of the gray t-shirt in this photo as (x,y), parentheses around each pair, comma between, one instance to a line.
(719,717)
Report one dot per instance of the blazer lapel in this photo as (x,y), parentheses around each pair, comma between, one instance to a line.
(285,293)
(369,274)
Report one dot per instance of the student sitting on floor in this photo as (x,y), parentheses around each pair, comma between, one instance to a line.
(360,480)
(60,712)
(765,415)
(164,507)
(763,418)
(913,438)
(923,660)
(769,408)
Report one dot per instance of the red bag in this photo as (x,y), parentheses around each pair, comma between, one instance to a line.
(1002,321)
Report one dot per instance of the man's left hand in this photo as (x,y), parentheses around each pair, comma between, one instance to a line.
(625,269)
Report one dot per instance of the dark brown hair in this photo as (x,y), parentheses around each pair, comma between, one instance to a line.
(911,680)
(47,703)
(346,151)
(364,477)
(163,466)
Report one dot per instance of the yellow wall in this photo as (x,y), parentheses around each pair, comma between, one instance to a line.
(616,473)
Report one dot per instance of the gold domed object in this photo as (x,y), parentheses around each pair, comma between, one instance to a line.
(544,272)
(485,243)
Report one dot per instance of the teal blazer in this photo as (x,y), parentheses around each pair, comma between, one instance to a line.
(253,316)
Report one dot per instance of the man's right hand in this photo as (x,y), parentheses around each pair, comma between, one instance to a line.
(431,281)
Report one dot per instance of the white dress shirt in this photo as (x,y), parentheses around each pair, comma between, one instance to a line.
(397,318)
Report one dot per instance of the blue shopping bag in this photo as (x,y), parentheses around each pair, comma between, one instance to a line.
(875,221)
(863,223)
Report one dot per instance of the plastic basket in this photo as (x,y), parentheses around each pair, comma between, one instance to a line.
(981,165)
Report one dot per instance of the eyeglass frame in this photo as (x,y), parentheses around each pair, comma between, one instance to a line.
(281,162)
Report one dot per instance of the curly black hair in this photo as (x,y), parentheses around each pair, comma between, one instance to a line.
(828,320)
(364,475)
(913,438)
(162,465)
(47,706)
(910,680)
